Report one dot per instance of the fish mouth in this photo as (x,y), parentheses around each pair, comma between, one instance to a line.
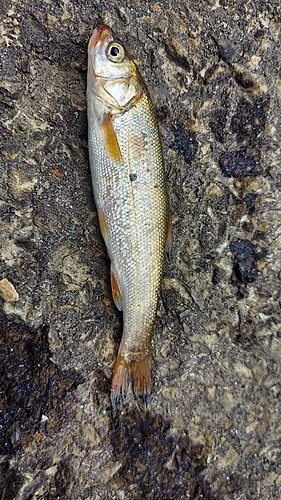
(99,34)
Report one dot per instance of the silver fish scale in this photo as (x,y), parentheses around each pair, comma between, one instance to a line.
(132,194)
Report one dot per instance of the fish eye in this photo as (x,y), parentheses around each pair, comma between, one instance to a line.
(115,52)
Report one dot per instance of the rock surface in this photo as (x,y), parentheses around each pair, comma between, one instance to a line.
(212,430)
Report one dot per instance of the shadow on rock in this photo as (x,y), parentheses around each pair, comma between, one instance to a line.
(157,461)
(33,388)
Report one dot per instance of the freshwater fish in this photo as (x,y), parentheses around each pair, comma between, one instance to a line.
(130,194)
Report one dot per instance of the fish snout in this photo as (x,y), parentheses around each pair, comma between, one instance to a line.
(99,34)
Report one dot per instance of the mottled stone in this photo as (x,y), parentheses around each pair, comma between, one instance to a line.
(228,401)
(8,291)
(231,457)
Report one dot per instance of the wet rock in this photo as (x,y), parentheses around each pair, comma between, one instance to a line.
(31,386)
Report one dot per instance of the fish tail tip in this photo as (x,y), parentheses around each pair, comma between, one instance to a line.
(120,381)
(142,378)
(114,398)
(139,370)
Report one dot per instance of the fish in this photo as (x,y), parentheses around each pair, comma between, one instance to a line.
(130,193)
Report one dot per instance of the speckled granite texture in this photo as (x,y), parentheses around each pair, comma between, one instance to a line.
(213,427)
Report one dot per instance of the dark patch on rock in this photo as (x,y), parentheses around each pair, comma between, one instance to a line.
(215,73)
(34,32)
(226,50)
(101,385)
(9,149)
(4,6)
(258,235)
(218,121)
(76,120)
(163,114)
(133,177)
(217,124)
(240,164)
(245,79)
(7,213)
(63,480)
(31,384)
(10,481)
(162,464)
(7,61)
(249,119)
(248,201)
(218,275)
(259,34)
(176,55)
(245,256)
(185,143)
(9,93)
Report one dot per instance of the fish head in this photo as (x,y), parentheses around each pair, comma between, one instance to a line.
(112,75)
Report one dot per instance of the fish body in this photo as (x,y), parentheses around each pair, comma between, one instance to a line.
(131,199)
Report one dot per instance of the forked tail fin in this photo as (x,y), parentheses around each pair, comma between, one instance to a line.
(138,370)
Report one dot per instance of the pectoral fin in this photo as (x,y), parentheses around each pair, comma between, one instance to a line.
(110,138)
(116,293)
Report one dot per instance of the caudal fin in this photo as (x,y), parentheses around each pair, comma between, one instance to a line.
(139,371)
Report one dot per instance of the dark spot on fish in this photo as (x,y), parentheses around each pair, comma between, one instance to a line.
(133,177)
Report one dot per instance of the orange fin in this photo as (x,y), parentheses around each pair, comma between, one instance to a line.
(102,223)
(116,293)
(169,240)
(139,371)
(142,378)
(120,380)
(110,137)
